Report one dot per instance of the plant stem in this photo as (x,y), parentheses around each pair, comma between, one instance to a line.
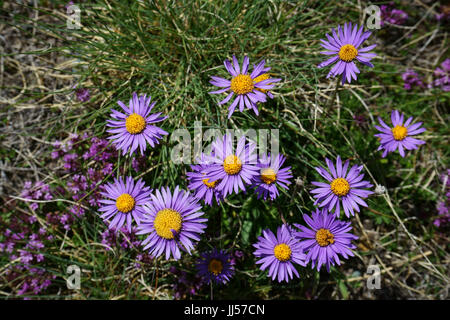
(338,84)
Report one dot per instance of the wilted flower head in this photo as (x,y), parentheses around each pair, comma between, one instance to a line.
(216,266)
(379,189)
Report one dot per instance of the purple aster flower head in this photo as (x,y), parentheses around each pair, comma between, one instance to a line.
(125,202)
(398,137)
(342,188)
(271,175)
(134,128)
(343,46)
(216,266)
(391,15)
(279,253)
(233,167)
(412,79)
(202,187)
(248,89)
(173,222)
(325,239)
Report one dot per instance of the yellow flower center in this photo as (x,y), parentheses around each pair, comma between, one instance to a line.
(268,176)
(324,237)
(165,221)
(262,77)
(399,132)
(232,164)
(215,266)
(340,187)
(242,84)
(348,52)
(211,185)
(135,123)
(125,203)
(282,252)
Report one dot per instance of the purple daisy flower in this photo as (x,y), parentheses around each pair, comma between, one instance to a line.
(203,187)
(216,266)
(343,46)
(398,137)
(264,75)
(279,253)
(325,239)
(342,187)
(134,128)
(248,88)
(271,175)
(232,168)
(126,200)
(173,222)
